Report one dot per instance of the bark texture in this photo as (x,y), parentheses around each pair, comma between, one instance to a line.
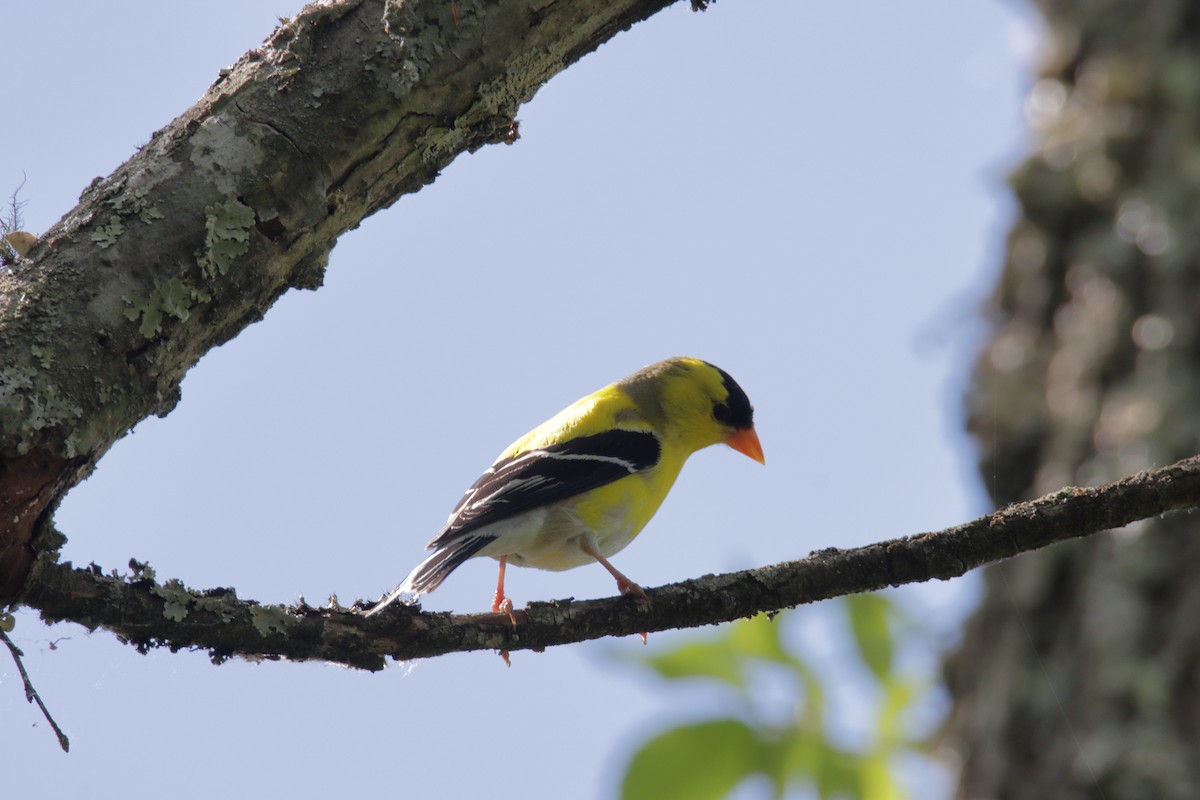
(148,613)
(341,111)
(1079,677)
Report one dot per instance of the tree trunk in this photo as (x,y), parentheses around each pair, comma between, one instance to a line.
(1080,674)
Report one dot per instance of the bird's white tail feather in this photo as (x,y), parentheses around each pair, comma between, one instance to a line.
(430,573)
(404,593)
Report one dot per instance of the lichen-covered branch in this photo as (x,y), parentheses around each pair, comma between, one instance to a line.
(342,110)
(151,614)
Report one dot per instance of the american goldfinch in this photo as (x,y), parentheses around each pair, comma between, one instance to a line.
(581,485)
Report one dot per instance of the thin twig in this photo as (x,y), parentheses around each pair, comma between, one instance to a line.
(12,219)
(31,694)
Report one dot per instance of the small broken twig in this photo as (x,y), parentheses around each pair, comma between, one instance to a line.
(31,694)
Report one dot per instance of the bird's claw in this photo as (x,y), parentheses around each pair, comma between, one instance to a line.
(502,605)
(627,586)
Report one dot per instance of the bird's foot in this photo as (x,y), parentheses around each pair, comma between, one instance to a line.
(502,605)
(626,586)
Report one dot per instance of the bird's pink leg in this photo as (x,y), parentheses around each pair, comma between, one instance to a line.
(624,585)
(501,604)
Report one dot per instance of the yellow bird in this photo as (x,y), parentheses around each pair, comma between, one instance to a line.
(581,485)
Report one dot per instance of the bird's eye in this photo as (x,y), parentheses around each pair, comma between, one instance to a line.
(721,413)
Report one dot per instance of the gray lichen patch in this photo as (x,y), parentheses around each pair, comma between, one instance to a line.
(270,619)
(127,205)
(177,598)
(106,235)
(134,204)
(226,238)
(174,298)
(30,404)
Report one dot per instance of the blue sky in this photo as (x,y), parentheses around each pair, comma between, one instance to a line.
(810,195)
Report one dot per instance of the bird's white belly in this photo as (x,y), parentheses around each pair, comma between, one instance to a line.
(549,538)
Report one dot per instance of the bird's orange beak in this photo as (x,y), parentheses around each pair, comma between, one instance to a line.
(745,441)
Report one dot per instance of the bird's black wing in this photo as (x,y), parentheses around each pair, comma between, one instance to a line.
(537,477)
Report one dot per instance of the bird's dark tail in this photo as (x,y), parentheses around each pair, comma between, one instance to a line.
(430,573)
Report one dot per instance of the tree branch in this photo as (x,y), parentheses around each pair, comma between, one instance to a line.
(149,614)
(345,108)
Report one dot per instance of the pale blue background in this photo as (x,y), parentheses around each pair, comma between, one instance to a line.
(808,194)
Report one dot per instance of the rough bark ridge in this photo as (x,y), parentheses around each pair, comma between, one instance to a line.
(342,110)
(1080,675)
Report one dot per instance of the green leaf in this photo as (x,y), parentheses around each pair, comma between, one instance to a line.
(872,633)
(802,753)
(898,696)
(839,774)
(775,762)
(877,780)
(758,637)
(704,659)
(694,762)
